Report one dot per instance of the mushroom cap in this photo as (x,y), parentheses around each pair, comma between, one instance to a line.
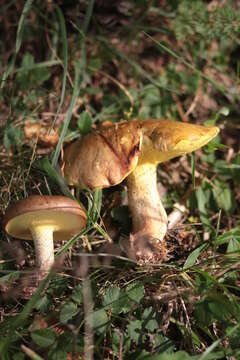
(166,139)
(104,157)
(63,214)
(107,156)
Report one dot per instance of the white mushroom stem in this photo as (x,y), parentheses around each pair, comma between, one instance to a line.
(43,243)
(148,214)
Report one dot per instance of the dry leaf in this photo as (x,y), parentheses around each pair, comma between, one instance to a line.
(38,132)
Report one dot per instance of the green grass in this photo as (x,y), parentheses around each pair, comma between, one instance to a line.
(70,67)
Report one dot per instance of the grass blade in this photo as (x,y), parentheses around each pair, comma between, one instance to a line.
(75,95)
(65,60)
(39,65)
(25,12)
(88,15)
(79,69)
(45,165)
(26,9)
(217,342)
(178,57)
(20,319)
(193,170)
(135,66)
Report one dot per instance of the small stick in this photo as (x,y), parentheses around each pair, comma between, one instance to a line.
(176,215)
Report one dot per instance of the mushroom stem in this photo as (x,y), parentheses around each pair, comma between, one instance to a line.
(148,214)
(44,247)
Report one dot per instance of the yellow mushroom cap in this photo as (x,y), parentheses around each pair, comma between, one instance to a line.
(166,139)
(62,214)
(107,156)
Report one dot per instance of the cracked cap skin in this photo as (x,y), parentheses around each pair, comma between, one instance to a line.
(105,157)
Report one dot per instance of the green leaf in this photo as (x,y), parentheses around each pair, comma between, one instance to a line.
(124,303)
(138,355)
(151,95)
(100,320)
(203,196)
(111,299)
(149,319)
(179,355)
(148,313)
(43,303)
(18,356)
(27,61)
(12,136)
(134,329)
(204,281)
(163,344)
(214,307)
(152,325)
(116,342)
(227,236)
(84,122)
(193,256)
(58,355)
(77,294)
(135,292)
(233,245)
(43,337)
(68,311)
(224,196)
(31,74)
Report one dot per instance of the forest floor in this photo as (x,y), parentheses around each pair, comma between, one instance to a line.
(67,67)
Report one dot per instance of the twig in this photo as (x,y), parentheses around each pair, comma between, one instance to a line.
(176,215)
(88,320)
(182,114)
(30,353)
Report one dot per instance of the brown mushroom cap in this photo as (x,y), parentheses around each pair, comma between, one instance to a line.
(107,156)
(63,214)
(104,157)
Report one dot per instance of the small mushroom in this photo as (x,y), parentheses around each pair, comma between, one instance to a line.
(132,150)
(44,219)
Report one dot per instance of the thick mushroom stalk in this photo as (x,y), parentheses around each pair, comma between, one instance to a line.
(43,243)
(148,214)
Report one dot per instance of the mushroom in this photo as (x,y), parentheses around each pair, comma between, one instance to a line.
(132,150)
(44,219)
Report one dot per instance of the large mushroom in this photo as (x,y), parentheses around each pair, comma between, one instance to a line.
(44,219)
(132,150)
